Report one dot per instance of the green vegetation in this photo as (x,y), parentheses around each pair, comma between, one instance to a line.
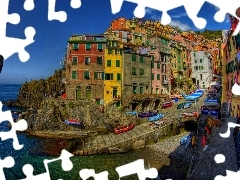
(210,34)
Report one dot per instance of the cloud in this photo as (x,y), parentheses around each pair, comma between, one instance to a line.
(149,11)
(181,26)
(179,15)
(156,18)
(227,20)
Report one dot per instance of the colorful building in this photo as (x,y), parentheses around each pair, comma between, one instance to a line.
(136,74)
(201,68)
(85,67)
(113,72)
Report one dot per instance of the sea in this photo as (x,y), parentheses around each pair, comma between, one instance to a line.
(36,150)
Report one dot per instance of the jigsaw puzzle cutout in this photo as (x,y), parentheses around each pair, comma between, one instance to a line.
(13,45)
(66,166)
(7,162)
(137,167)
(192,8)
(21,125)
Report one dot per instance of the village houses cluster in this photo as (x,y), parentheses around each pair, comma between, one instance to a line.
(137,56)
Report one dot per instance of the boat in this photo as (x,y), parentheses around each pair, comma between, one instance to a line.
(122,129)
(179,96)
(73,122)
(191,98)
(192,114)
(147,114)
(155,118)
(184,139)
(132,113)
(209,112)
(211,102)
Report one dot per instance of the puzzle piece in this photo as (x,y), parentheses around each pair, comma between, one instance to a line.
(29,5)
(87,173)
(7,162)
(60,15)
(236,89)
(137,167)
(66,166)
(230,125)
(21,125)
(13,45)
(192,8)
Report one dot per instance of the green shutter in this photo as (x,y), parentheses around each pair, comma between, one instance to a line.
(86,75)
(95,75)
(121,51)
(74,75)
(75,46)
(152,64)
(100,47)
(158,76)
(117,63)
(109,51)
(141,59)
(133,70)
(88,46)
(118,76)
(99,60)
(158,65)
(133,57)
(200,60)
(74,61)
(152,76)
(108,63)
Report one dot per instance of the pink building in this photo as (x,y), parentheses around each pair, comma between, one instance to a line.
(156,72)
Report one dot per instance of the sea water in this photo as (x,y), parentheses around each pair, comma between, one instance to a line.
(35,151)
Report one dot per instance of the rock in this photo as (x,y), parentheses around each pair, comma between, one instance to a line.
(139,144)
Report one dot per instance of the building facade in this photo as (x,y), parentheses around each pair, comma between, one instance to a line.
(201,68)
(85,67)
(136,75)
(113,72)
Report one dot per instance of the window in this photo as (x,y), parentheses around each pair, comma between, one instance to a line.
(134,89)
(117,51)
(100,47)
(75,46)
(158,76)
(99,60)
(152,58)
(109,63)
(88,46)
(141,90)
(200,76)
(158,65)
(87,60)
(134,57)
(200,60)
(194,54)
(74,74)
(86,75)
(88,92)
(200,67)
(152,64)
(109,51)
(74,60)
(141,59)
(195,67)
(98,75)
(134,71)
(141,71)
(108,76)
(195,61)
(179,60)
(118,76)
(152,76)
(117,63)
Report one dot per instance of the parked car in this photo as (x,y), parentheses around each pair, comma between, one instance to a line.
(167,104)
(184,105)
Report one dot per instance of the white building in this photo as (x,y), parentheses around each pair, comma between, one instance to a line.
(201,68)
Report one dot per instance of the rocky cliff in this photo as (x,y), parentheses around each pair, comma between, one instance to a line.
(32,93)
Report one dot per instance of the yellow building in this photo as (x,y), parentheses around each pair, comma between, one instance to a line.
(113,69)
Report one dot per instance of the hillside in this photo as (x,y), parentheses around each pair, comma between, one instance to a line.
(210,34)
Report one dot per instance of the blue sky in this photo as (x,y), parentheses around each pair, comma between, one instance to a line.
(51,36)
